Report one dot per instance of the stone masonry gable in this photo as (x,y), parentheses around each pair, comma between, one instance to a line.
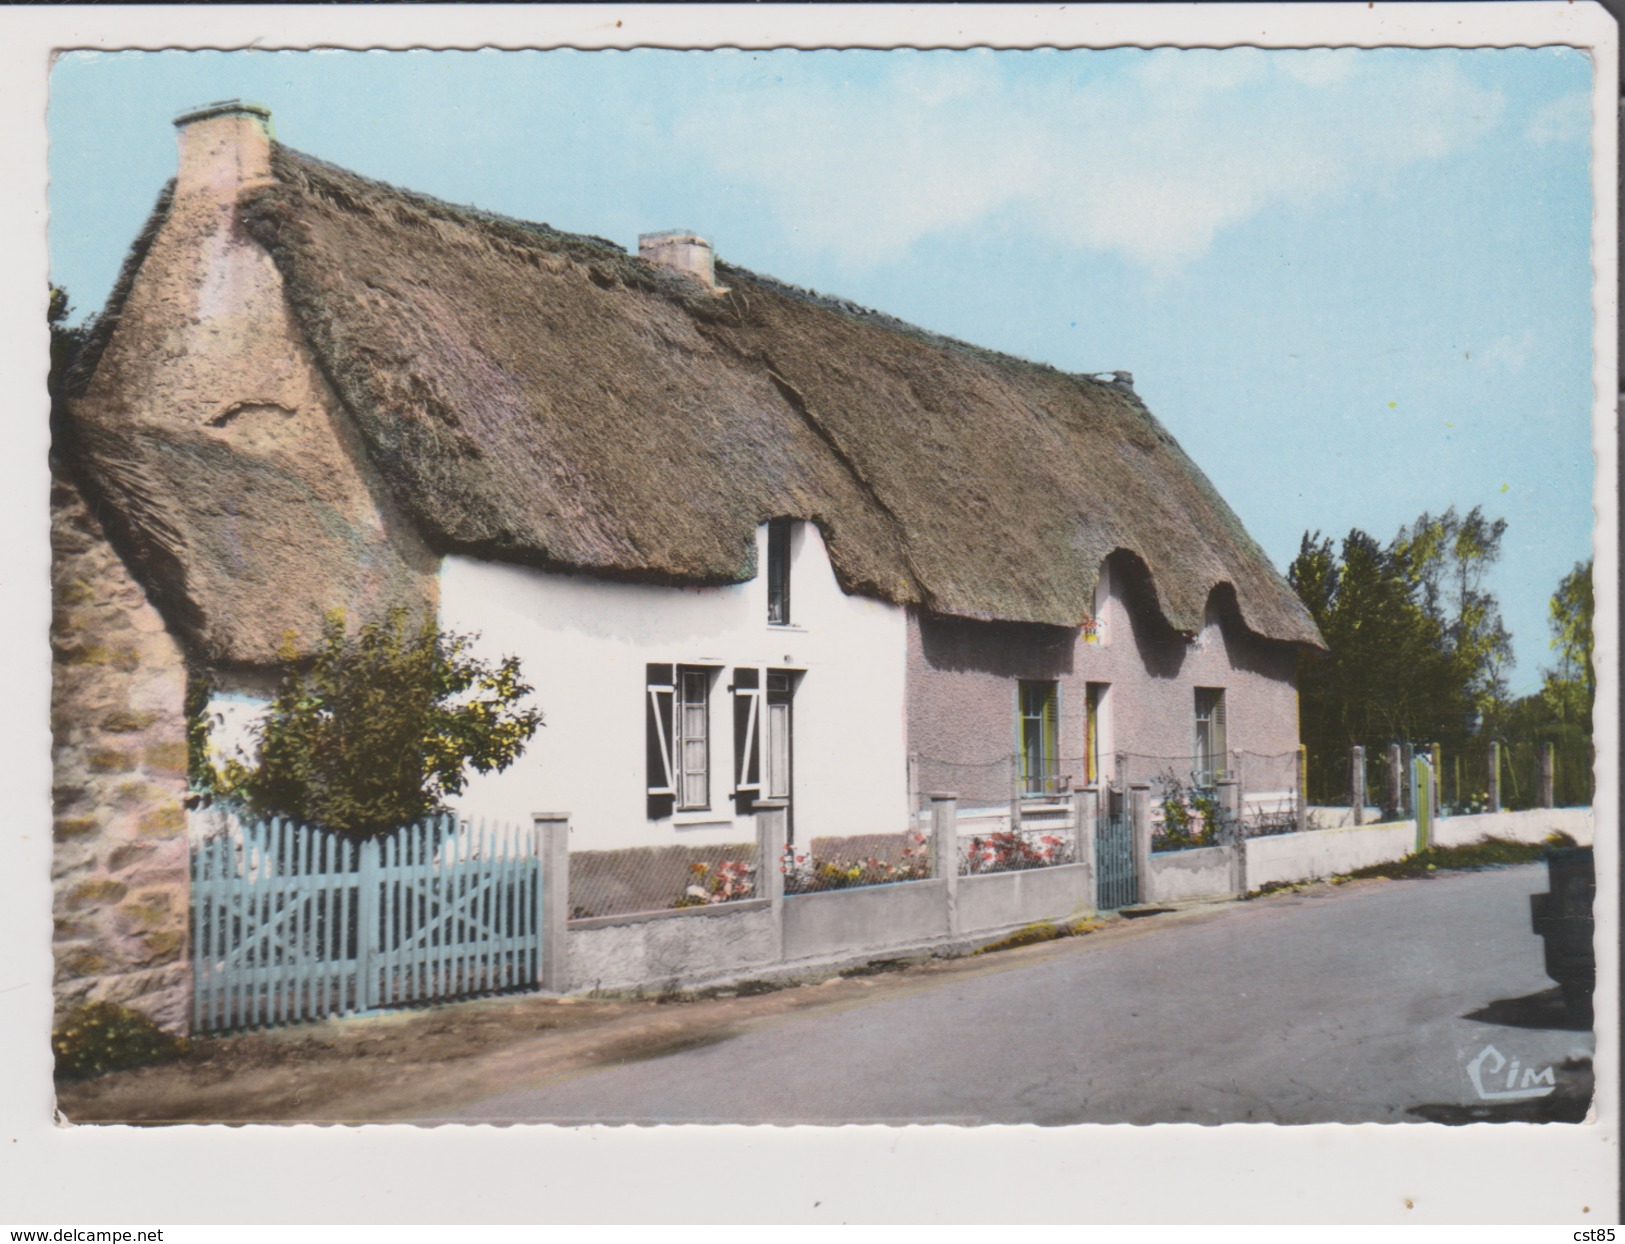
(119,871)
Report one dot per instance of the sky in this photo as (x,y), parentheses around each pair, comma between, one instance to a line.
(1355,284)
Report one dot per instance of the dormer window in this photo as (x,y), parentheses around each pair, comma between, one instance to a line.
(778,572)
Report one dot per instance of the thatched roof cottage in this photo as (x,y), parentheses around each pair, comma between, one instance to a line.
(688,496)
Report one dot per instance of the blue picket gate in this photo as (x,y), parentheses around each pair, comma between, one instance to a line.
(293,923)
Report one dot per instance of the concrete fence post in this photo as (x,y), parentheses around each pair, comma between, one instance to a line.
(1357,783)
(1233,840)
(1422,782)
(1394,801)
(553,834)
(1492,801)
(1303,788)
(1436,757)
(1548,776)
(945,849)
(772,824)
(1015,794)
(1085,814)
(1139,814)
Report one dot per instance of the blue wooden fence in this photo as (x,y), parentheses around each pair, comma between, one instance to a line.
(292,923)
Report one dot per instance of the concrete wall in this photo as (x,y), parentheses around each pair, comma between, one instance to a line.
(119,866)
(1205,872)
(1286,858)
(962,678)
(673,948)
(999,900)
(692,944)
(1532,825)
(584,644)
(866,918)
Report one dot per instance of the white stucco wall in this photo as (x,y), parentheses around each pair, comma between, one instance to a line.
(584,644)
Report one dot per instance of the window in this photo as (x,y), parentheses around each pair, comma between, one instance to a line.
(1210,741)
(679,738)
(1037,708)
(762,746)
(778,572)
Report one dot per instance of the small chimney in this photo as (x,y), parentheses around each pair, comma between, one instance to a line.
(224,147)
(681,250)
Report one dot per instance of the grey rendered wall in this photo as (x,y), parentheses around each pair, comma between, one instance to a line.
(696,943)
(1202,873)
(962,679)
(999,900)
(869,918)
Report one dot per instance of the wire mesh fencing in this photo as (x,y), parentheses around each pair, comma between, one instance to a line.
(1017,850)
(846,862)
(634,880)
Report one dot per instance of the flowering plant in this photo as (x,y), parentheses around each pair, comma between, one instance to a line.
(1008,851)
(729,879)
(805,874)
(1188,817)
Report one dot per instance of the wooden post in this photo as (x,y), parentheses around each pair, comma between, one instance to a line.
(945,849)
(1394,809)
(1085,813)
(772,820)
(553,839)
(1303,788)
(1357,783)
(1139,813)
(1493,802)
(366,907)
(1548,775)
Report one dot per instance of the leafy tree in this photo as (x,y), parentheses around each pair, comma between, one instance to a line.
(1559,714)
(1447,558)
(1571,689)
(380,729)
(1417,648)
(65,346)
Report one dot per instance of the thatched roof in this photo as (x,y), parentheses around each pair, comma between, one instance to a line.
(545,398)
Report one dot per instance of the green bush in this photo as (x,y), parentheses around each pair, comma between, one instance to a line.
(103,1036)
(376,732)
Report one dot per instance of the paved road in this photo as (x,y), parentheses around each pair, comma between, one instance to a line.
(1352,1004)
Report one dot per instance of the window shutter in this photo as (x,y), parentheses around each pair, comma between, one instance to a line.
(661,713)
(1221,753)
(747,731)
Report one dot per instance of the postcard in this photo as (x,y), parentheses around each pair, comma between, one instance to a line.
(835,582)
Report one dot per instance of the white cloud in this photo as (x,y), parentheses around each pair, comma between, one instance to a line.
(1509,353)
(1147,155)
(1565,119)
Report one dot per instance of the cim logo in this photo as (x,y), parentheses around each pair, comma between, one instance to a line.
(1485,1073)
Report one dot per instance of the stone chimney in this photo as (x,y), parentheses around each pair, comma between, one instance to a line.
(681,250)
(225,147)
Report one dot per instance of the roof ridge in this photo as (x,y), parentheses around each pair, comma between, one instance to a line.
(541,232)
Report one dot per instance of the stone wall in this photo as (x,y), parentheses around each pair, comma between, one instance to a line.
(119,870)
